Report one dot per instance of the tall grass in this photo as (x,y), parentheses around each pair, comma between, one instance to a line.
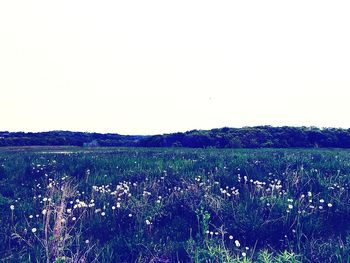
(175,205)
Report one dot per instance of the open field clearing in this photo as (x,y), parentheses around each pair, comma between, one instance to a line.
(71,204)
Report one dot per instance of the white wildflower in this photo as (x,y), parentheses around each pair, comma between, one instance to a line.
(237,243)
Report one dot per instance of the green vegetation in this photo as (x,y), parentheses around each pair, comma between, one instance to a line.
(174,205)
(254,137)
(247,137)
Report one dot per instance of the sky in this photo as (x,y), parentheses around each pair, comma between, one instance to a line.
(151,67)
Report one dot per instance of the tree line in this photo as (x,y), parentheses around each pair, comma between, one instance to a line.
(246,137)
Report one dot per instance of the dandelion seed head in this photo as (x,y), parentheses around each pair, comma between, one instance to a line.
(237,243)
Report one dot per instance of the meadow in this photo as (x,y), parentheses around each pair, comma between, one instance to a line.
(71,204)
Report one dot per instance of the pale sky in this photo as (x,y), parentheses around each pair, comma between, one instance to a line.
(149,67)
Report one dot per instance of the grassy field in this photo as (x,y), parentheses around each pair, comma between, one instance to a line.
(60,204)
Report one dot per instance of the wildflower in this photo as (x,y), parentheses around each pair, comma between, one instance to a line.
(113,207)
(320,207)
(103,214)
(87,241)
(244,254)
(321,200)
(148,222)
(74,218)
(12,207)
(44,212)
(329,205)
(230,237)
(118,205)
(130,215)
(33,229)
(309,194)
(31,216)
(290,206)
(237,243)
(45,199)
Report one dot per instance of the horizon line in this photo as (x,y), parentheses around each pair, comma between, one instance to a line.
(197,129)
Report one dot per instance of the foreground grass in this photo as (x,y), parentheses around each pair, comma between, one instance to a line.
(174,205)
